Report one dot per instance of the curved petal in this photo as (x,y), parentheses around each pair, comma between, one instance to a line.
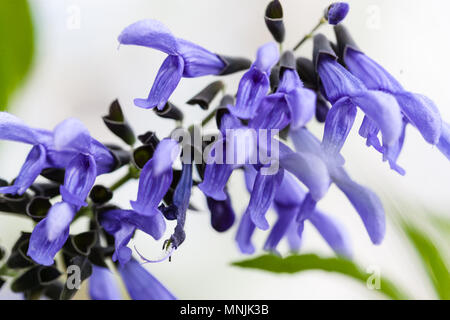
(149,33)
(444,140)
(286,216)
(263,193)
(154,226)
(215,180)
(369,130)
(244,235)
(141,285)
(72,135)
(308,168)
(391,153)
(273,113)
(333,233)
(102,285)
(198,61)
(103,157)
(366,203)
(338,124)
(58,219)
(253,87)
(266,57)
(40,248)
(152,189)
(78,181)
(422,113)
(289,81)
(302,105)
(290,192)
(165,154)
(167,79)
(14,129)
(31,169)
(384,110)
(374,76)
(336,80)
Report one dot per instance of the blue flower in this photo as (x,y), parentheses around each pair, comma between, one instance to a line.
(102,285)
(444,140)
(346,92)
(222,213)
(154,182)
(365,201)
(255,83)
(141,285)
(337,12)
(292,103)
(69,146)
(185,59)
(416,109)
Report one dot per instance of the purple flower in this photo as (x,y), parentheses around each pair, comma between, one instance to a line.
(185,59)
(141,285)
(222,213)
(68,147)
(154,182)
(366,202)
(416,109)
(292,103)
(255,83)
(337,12)
(346,92)
(444,140)
(102,285)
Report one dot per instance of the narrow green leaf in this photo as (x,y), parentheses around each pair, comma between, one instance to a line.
(16,47)
(434,263)
(299,263)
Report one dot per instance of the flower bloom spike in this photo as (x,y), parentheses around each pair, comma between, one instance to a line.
(416,109)
(185,59)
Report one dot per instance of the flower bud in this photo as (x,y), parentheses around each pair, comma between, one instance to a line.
(207,95)
(274,20)
(336,12)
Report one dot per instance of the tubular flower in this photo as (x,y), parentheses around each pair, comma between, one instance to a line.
(69,146)
(102,285)
(185,59)
(346,92)
(416,109)
(255,83)
(154,182)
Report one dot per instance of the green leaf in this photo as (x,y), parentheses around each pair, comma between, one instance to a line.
(16,46)
(299,263)
(434,263)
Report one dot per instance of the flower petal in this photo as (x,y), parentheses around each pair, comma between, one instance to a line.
(263,193)
(384,110)
(152,189)
(253,87)
(31,169)
(14,129)
(167,79)
(198,61)
(392,152)
(244,235)
(308,168)
(302,105)
(149,33)
(273,113)
(72,135)
(422,113)
(444,140)
(369,130)
(165,154)
(286,215)
(40,249)
(102,285)
(78,181)
(58,219)
(141,285)
(338,124)
(366,203)
(333,233)
(290,192)
(266,57)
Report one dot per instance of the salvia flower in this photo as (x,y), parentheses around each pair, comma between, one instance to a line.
(416,109)
(141,285)
(346,93)
(185,59)
(102,285)
(336,12)
(255,83)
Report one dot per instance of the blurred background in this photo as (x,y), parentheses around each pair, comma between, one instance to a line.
(78,70)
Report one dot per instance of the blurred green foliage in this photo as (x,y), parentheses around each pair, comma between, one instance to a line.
(307,262)
(16,46)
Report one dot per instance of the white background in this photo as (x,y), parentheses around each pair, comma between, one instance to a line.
(78,71)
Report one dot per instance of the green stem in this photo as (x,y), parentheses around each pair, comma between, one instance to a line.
(209,117)
(311,34)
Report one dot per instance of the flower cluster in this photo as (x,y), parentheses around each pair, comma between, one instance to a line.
(278,95)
